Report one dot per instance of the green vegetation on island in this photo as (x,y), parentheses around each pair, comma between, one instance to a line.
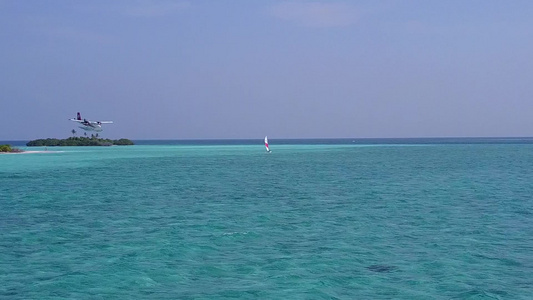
(78,141)
(9,149)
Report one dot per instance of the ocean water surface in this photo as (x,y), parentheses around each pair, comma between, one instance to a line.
(329,219)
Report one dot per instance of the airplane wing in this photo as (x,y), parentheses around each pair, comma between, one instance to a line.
(100,122)
(86,122)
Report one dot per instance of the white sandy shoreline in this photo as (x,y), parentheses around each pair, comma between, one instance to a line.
(29,152)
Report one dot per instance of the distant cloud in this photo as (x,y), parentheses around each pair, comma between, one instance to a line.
(316,14)
(154,8)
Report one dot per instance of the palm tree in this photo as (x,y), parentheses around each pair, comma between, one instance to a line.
(85,133)
(96,135)
(73,132)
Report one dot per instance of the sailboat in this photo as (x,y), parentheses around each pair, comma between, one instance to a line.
(266,145)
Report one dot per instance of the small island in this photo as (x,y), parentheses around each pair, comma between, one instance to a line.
(78,141)
(9,149)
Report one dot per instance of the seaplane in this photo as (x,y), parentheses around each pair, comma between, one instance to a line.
(89,125)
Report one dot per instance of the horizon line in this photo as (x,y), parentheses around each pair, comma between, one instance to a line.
(312,138)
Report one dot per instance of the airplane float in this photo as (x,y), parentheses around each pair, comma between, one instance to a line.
(90,125)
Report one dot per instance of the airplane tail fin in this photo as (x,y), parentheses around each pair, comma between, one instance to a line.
(78,117)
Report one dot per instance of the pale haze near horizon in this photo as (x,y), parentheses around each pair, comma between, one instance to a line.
(286,69)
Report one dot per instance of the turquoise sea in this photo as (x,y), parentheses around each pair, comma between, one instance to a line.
(314,219)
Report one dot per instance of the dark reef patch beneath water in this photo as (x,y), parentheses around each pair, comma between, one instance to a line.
(382,268)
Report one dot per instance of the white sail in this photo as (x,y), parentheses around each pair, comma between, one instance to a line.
(266,144)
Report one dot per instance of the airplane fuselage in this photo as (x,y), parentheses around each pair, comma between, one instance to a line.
(89,125)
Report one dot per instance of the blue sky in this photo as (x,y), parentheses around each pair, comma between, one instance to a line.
(286,69)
